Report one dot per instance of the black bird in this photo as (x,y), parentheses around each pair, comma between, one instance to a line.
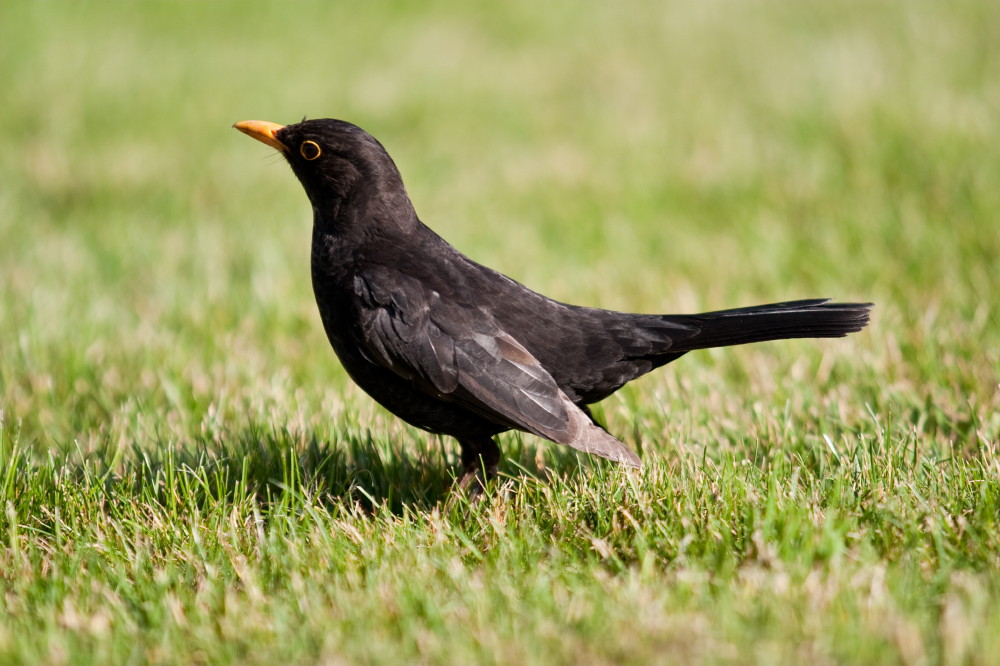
(457,348)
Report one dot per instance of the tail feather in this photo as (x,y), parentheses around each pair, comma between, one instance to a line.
(813,318)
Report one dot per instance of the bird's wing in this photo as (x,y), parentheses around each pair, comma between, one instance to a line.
(461,355)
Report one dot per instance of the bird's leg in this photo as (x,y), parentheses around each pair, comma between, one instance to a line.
(480,459)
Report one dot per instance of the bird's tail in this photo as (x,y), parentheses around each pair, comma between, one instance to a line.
(814,318)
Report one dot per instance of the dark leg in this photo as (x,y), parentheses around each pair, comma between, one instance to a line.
(480,459)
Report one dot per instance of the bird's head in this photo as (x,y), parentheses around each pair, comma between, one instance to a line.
(335,161)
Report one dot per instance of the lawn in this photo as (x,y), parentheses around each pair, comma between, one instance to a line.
(187,475)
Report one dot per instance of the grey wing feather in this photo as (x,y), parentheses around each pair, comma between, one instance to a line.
(469,360)
(500,373)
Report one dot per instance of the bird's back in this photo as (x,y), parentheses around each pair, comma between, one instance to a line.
(590,352)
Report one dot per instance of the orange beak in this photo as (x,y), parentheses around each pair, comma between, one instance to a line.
(263,131)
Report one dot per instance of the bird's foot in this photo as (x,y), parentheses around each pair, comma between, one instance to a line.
(480,461)
(474,480)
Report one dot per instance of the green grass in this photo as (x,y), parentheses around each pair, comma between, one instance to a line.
(187,475)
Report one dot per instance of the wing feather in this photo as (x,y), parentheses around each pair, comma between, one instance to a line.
(463,356)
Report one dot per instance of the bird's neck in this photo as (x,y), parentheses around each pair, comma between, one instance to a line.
(366,213)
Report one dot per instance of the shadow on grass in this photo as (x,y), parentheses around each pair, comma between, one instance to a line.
(353,468)
(276,467)
(271,464)
(281,471)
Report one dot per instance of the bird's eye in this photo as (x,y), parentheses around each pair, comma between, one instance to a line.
(310,150)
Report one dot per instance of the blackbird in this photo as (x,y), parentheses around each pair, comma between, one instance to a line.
(456,348)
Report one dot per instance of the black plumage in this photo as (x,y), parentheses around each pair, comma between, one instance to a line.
(457,348)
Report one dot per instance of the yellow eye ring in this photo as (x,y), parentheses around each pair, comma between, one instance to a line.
(310,150)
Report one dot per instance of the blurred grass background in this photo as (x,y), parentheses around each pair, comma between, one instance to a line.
(156,317)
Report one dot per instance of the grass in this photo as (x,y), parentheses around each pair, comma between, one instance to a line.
(187,475)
